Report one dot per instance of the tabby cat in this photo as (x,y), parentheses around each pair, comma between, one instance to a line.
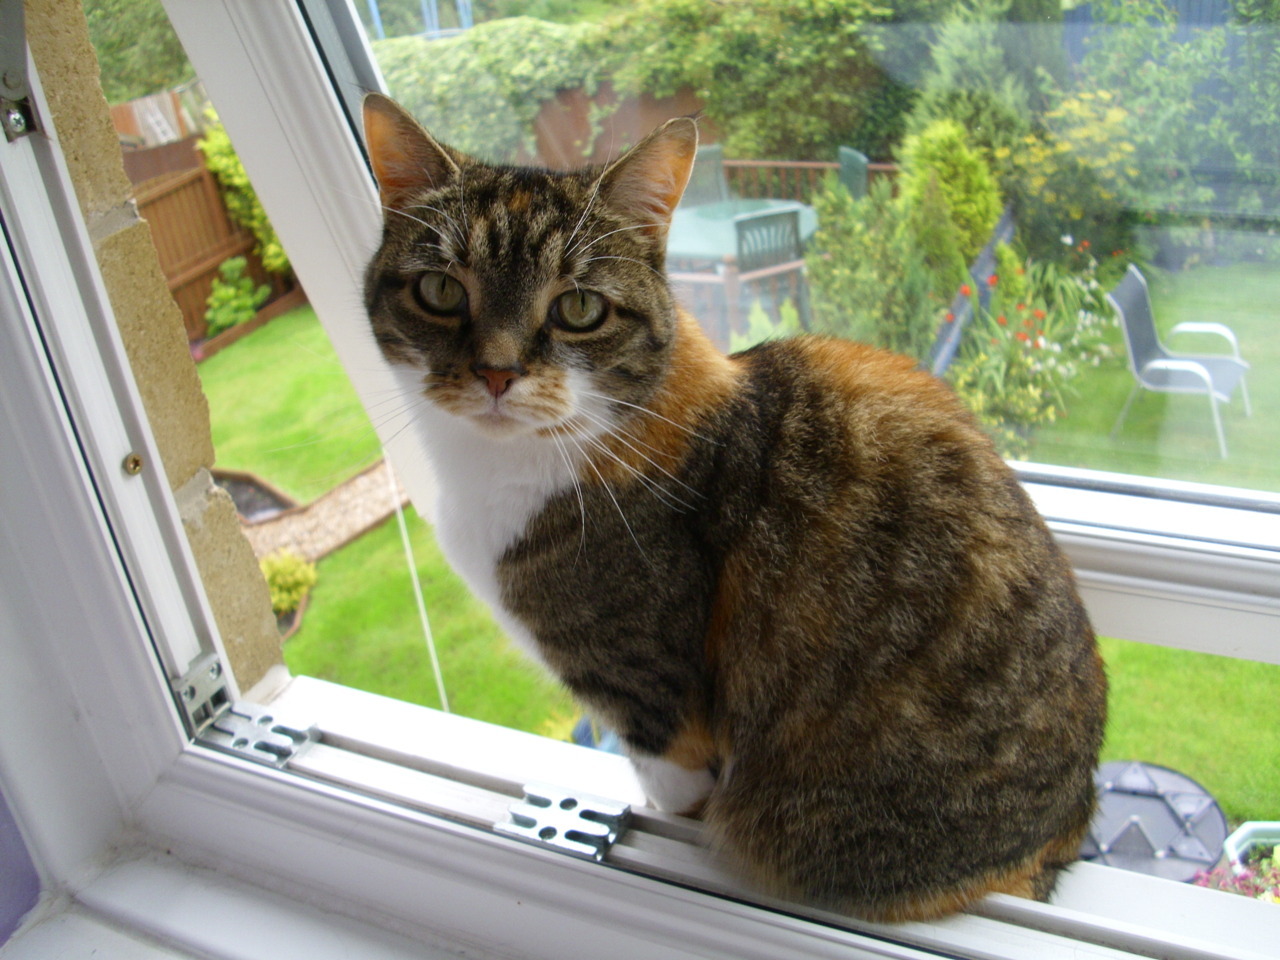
(798,582)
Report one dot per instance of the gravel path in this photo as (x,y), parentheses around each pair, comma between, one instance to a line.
(332,520)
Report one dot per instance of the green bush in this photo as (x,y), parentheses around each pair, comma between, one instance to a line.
(239,196)
(972,83)
(867,275)
(941,153)
(1021,354)
(289,578)
(787,79)
(233,299)
(481,90)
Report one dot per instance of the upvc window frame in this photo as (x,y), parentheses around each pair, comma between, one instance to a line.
(101,715)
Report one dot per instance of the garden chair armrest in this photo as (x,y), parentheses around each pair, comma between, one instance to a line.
(1202,326)
(1188,366)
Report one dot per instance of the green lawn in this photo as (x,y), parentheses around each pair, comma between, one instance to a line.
(362,630)
(1172,436)
(1211,718)
(282,408)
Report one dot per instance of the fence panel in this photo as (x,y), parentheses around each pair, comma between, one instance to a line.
(193,235)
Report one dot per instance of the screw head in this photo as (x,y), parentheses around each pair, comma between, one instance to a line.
(133,464)
(15,121)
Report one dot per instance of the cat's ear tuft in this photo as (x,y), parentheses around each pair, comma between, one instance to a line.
(406,160)
(647,182)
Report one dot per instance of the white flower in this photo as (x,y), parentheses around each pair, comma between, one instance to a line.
(1067,240)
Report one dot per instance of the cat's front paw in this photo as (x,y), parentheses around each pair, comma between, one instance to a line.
(671,787)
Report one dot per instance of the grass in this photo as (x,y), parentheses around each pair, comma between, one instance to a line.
(1172,436)
(362,630)
(1211,718)
(281,407)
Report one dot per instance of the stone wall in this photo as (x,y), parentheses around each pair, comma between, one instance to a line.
(153,333)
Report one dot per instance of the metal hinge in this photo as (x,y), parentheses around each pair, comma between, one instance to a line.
(246,730)
(571,822)
(17,114)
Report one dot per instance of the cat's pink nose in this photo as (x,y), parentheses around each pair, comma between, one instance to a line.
(498,381)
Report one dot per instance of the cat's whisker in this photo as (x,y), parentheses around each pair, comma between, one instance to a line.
(647,266)
(604,236)
(635,406)
(577,489)
(618,434)
(661,492)
(609,490)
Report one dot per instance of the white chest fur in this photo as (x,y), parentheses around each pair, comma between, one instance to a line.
(486,491)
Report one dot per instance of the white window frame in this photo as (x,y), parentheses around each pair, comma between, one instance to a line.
(93,758)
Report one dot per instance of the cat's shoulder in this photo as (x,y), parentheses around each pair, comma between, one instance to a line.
(848,370)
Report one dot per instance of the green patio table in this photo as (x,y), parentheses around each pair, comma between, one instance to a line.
(705,231)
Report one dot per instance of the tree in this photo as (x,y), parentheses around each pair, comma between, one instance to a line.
(138,52)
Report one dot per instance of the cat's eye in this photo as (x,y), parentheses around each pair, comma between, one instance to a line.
(579,310)
(441,293)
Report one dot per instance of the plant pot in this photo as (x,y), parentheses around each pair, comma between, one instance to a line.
(1254,833)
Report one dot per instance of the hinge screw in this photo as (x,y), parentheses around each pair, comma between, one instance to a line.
(133,464)
(15,121)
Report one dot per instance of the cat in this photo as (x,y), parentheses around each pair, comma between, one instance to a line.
(798,582)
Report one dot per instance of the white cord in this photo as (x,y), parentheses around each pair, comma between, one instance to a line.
(417,586)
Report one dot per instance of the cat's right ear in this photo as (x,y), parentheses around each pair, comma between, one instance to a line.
(406,160)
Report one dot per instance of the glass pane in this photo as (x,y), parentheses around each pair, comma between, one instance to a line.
(1119,136)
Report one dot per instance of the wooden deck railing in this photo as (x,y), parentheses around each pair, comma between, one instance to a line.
(787,179)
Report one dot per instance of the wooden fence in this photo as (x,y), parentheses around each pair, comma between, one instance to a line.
(193,235)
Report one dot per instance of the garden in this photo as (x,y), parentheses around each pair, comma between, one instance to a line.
(1106,156)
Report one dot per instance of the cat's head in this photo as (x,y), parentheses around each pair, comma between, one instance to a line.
(531,301)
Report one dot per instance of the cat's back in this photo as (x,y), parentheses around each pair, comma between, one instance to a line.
(896,641)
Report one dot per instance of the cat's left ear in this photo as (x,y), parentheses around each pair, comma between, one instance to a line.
(647,182)
(406,159)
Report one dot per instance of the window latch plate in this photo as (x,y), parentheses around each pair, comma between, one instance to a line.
(243,729)
(253,732)
(569,821)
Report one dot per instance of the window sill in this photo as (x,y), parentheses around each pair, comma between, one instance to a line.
(440,879)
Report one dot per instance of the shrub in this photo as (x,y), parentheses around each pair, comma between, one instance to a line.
(941,151)
(761,326)
(1021,354)
(971,82)
(481,90)
(868,277)
(779,78)
(289,577)
(239,196)
(233,299)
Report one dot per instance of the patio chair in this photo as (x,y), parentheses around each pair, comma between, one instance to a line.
(1155,367)
(853,171)
(707,182)
(770,259)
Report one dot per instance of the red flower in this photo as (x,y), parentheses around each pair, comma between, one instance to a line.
(1039,314)
(1027,323)
(965,291)
(995,342)
(1022,306)
(1084,244)
(991,280)
(1002,321)
(951,317)
(1022,335)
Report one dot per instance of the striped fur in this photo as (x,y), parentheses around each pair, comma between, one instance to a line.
(798,582)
